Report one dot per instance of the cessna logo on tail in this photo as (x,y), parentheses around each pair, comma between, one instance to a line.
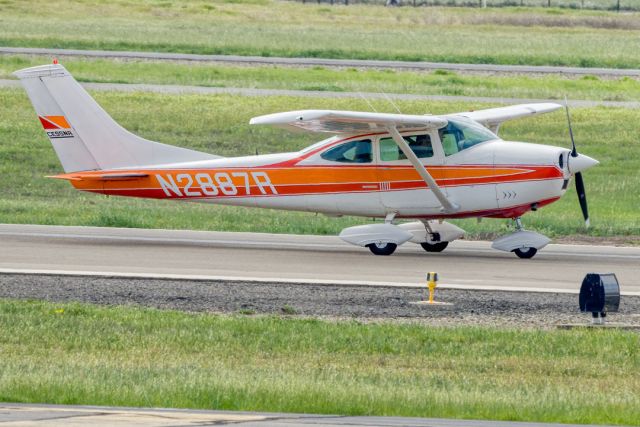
(56,126)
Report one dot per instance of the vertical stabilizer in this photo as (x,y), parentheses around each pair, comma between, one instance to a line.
(83,135)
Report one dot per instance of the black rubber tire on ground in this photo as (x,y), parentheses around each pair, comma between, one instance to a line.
(434,247)
(525,253)
(382,249)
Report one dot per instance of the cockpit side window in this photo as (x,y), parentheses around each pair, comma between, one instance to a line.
(350,152)
(419,144)
(459,135)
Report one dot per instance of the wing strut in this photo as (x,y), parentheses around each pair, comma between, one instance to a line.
(447,205)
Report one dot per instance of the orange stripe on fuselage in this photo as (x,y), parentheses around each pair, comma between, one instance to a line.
(303,180)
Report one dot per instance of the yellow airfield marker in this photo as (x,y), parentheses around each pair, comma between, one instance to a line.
(432,284)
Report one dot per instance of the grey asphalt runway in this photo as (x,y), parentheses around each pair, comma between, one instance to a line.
(259,60)
(201,90)
(302,259)
(30,415)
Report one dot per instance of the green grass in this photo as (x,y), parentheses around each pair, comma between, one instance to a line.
(438,82)
(571,4)
(84,354)
(219,124)
(273,28)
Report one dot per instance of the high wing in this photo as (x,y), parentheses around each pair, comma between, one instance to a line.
(347,122)
(493,117)
(353,122)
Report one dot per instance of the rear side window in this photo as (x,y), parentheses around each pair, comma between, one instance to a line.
(419,144)
(350,152)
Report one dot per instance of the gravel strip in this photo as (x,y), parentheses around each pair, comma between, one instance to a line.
(468,307)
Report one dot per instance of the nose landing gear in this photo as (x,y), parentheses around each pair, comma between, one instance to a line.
(525,244)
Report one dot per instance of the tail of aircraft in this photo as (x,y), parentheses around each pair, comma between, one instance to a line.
(83,135)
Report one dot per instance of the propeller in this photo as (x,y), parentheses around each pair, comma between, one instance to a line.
(582,195)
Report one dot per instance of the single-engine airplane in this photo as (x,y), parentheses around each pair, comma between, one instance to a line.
(393,166)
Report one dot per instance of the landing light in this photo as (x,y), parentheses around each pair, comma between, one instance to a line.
(599,294)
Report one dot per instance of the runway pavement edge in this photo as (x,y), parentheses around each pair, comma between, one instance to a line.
(36,415)
(47,235)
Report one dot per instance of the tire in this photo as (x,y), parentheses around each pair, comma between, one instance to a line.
(382,248)
(525,253)
(434,247)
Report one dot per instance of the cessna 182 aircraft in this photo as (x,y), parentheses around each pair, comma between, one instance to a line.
(392,166)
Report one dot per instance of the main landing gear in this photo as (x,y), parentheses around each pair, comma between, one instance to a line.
(525,253)
(525,244)
(434,247)
(434,236)
(382,248)
(384,239)
(389,248)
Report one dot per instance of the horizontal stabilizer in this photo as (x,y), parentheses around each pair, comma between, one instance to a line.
(100,176)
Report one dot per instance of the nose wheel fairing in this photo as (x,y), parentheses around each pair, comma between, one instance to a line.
(525,244)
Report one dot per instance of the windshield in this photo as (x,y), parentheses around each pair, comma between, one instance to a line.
(460,134)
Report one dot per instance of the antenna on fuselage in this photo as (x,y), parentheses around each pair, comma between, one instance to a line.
(388,98)
(367,101)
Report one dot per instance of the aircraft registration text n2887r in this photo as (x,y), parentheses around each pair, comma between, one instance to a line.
(392,166)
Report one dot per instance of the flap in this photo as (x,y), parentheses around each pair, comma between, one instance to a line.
(348,122)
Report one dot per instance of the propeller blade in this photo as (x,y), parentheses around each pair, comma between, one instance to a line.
(574,152)
(582,198)
(582,195)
